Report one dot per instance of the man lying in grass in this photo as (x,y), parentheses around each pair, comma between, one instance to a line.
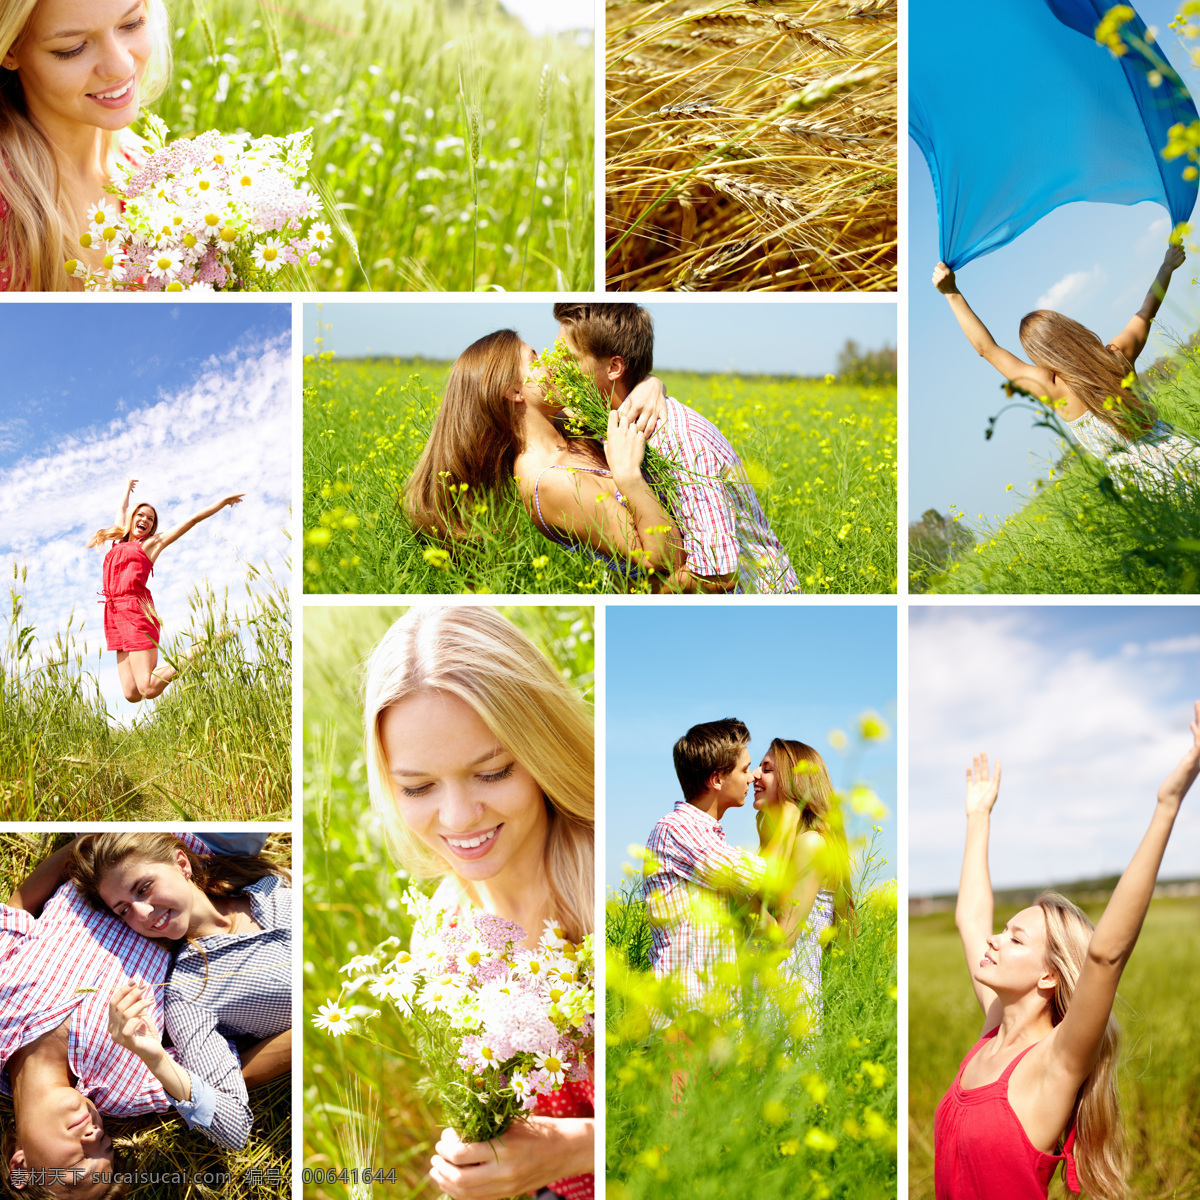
(638,481)
(61,961)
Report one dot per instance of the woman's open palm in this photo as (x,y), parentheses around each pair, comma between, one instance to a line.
(982,787)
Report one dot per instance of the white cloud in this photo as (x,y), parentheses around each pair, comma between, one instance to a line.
(1060,295)
(552,16)
(228,431)
(1085,737)
(1176,645)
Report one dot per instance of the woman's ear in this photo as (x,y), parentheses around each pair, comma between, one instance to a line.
(183,863)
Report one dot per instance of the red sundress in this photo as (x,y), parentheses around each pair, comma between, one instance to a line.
(576,1098)
(980,1149)
(130,622)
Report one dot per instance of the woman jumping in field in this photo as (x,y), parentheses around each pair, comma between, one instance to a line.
(73,77)
(479,759)
(800,826)
(1039,1087)
(1089,383)
(131,626)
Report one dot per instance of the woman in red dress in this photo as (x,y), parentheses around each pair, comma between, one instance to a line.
(73,77)
(131,626)
(1039,1087)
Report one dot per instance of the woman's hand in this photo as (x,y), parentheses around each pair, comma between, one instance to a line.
(646,405)
(982,788)
(131,1022)
(943,279)
(232,500)
(529,1156)
(130,486)
(625,448)
(1176,785)
(1174,257)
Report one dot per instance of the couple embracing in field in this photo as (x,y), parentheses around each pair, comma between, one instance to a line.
(705,897)
(503,421)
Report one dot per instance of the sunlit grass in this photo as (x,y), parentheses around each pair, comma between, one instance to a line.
(821,456)
(379,85)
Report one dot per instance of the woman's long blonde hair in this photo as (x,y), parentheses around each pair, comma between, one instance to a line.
(473,653)
(39,233)
(1088,367)
(122,533)
(804,781)
(1100,1151)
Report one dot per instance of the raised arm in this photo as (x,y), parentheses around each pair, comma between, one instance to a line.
(1037,379)
(1077,1039)
(1131,341)
(974,909)
(159,542)
(123,507)
(646,405)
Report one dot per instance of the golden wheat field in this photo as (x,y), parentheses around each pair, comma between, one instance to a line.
(751,145)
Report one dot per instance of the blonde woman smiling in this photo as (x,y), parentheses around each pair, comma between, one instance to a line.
(73,77)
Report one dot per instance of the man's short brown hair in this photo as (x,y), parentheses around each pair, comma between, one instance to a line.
(706,750)
(603,330)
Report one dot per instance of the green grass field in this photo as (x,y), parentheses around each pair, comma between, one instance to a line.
(1076,535)
(435,193)
(822,458)
(216,744)
(352,899)
(161,1145)
(784,1112)
(1158,1009)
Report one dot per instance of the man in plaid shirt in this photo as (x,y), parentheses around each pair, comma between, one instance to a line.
(691,873)
(729,543)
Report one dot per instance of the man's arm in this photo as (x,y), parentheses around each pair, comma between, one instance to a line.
(44,880)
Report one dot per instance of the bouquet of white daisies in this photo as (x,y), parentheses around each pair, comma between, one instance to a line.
(217,211)
(495,1025)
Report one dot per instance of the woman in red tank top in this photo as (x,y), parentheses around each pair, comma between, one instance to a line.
(479,757)
(131,625)
(1039,1087)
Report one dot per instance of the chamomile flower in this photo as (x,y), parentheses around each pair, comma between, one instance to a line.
(359,963)
(554,1067)
(268,255)
(100,216)
(320,235)
(333,1018)
(165,264)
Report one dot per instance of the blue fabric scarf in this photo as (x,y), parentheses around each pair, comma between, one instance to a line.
(1018,109)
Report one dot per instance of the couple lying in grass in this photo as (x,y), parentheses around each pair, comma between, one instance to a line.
(112,941)
(606,464)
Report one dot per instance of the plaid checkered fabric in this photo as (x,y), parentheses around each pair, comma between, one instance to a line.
(44,961)
(693,867)
(240,986)
(725,529)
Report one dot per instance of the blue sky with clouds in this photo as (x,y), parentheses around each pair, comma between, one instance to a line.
(775,337)
(192,400)
(1087,709)
(796,672)
(1093,262)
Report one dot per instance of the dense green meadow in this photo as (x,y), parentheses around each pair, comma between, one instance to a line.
(821,456)
(1079,534)
(1158,1007)
(216,744)
(162,1145)
(800,1106)
(454,151)
(352,902)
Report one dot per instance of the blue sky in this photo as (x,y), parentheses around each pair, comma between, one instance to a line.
(192,400)
(773,338)
(796,672)
(1093,262)
(1087,708)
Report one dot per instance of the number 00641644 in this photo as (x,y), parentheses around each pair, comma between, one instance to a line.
(349,1175)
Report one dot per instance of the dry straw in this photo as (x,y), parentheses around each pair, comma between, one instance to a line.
(751,145)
